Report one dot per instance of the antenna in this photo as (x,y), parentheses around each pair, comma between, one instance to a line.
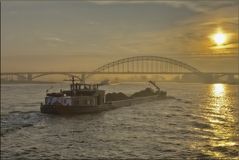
(49,89)
(73,79)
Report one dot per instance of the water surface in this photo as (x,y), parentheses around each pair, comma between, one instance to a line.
(200,122)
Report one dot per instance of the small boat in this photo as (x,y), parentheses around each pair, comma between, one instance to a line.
(88,98)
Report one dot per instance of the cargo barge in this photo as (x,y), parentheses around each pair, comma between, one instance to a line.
(88,98)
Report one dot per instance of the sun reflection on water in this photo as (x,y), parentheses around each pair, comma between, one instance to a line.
(218,90)
(218,113)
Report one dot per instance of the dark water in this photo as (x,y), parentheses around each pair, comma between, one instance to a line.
(202,122)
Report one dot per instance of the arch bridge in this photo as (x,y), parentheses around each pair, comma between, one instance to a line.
(147,65)
(131,65)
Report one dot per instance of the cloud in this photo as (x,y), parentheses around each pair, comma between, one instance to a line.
(198,6)
(53,39)
(202,6)
(190,37)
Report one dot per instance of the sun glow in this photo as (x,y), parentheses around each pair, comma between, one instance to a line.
(219,38)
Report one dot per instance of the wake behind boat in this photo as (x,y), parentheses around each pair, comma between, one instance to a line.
(88,98)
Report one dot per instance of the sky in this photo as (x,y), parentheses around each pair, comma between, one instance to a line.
(53,35)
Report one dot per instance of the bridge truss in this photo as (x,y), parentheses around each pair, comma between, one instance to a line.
(146,65)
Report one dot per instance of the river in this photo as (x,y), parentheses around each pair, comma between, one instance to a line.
(201,122)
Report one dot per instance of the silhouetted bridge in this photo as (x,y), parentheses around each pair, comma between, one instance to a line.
(132,65)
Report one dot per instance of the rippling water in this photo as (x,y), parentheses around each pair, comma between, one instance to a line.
(201,122)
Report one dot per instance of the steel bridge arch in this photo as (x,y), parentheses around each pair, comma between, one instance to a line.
(147,58)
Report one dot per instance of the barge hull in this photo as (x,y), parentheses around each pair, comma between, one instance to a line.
(60,109)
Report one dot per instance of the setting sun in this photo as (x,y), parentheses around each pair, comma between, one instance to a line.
(219,38)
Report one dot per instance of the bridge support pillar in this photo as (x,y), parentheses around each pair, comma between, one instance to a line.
(231,78)
(21,77)
(208,78)
(82,78)
(29,77)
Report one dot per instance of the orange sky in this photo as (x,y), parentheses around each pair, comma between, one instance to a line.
(76,36)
